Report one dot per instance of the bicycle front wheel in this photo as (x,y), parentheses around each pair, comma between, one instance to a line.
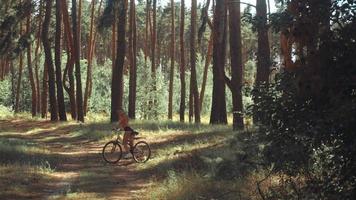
(141,152)
(112,152)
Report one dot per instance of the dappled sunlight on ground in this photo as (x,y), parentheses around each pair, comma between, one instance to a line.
(68,162)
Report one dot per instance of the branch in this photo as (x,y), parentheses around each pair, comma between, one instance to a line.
(236,1)
(228,82)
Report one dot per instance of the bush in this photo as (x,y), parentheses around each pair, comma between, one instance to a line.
(303,138)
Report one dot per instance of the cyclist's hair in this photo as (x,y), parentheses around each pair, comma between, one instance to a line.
(122,113)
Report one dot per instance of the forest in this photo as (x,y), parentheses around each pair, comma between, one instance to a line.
(178,99)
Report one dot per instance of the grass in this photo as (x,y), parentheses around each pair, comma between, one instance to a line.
(192,185)
(185,156)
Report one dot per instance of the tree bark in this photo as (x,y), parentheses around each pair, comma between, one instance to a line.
(218,110)
(206,67)
(89,58)
(182,64)
(147,25)
(49,62)
(171,76)
(68,71)
(133,61)
(30,73)
(263,50)
(236,64)
(37,59)
(117,73)
(193,80)
(76,51)
(79,23)
(58,35)
(154,38)
(18,88)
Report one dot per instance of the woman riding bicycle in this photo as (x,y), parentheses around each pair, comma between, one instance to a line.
(130,134)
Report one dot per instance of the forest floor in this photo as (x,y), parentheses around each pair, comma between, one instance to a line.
(44,160)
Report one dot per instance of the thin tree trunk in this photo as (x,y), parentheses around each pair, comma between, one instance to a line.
(153,102)
(117,73)
(193,80)
(49,62)
(68,71)
(147,24)
(76,41)
(154,37)
(79,29)
(236,64)
(182,64)
(206,67)
(2,69)
(263,50)
(30,73)
(18,88)
(89,58)
(37,57)
(218,109)
(171,76)
(60,95)
(13,94)
(132,48)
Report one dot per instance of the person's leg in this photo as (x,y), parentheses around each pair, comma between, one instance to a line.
(125,141)
(131,138)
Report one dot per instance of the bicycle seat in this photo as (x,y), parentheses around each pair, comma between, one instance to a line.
(116,129)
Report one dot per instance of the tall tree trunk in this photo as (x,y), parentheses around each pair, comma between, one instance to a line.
(236,64)
(133,61)
(2,69)
(206,67)
(153,102)
(218,109)
(182,64)
(154,38)
(171,76)
(37,59)
(44,96)
(193,80)
(68,71)
(89,58)
(79,24)
(76,51)
(49,62)
(117,72)
(60,95)
(18,88)
(30,73)
(263,50)
(113,45)
(147,25)
(13,94)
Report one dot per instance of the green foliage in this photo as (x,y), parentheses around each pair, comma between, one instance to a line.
(100,99)
(5,91)
(300,137)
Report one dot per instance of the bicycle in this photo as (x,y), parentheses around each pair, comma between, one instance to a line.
(112,150)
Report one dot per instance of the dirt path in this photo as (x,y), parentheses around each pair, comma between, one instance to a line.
(81,169)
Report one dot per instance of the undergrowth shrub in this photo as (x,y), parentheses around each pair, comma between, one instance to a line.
(310,143)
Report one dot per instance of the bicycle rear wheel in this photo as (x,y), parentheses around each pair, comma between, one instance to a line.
(141,152)
(112,152)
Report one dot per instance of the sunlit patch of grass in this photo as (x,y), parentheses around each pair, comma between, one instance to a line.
(192,185)
(78,196)
(5,112)
(19,180)
(14,151)
(179,144)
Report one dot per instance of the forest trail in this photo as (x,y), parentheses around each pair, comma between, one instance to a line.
(80,167)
